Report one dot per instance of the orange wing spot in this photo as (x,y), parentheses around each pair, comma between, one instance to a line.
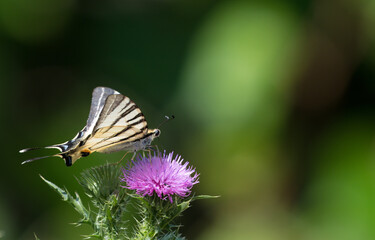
(85,152)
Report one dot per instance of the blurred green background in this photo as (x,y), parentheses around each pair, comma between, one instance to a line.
(274,104)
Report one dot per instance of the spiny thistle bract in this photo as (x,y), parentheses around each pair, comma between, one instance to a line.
(101,182)
(160,178)
(102,185)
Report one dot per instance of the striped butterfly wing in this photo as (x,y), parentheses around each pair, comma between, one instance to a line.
(119,124)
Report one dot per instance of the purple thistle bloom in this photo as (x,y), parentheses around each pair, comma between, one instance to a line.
(160,174)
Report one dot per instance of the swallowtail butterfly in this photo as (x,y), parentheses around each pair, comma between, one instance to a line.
(115,123)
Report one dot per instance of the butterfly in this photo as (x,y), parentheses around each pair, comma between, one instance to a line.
(115,123)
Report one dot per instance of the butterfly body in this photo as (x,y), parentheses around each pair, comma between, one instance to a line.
(115,123)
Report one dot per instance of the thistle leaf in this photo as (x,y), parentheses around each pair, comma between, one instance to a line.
(74,201)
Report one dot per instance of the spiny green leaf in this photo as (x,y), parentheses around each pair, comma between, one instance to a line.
(74,201)
(64,194)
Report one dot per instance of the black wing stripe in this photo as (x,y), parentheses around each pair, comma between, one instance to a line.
(130,136)
(129,111)
(145,136)
(130,126)
(116,102)
(119,99)
(126,105)
(122,116)
(113,108)
(135,117)
(110,104)
(126,138)
(123,131)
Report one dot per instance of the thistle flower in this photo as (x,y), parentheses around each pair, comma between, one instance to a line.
(160,174)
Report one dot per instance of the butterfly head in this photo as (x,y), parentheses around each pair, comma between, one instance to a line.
(156,133)
(151,135)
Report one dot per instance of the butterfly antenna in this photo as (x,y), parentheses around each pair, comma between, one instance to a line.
(166,120)
(37,158)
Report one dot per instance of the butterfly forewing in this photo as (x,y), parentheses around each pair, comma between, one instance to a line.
(119,110)
(120,121)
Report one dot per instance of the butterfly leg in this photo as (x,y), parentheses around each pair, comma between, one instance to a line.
(153,148)
(117,163)
(135,153)
(149,154)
